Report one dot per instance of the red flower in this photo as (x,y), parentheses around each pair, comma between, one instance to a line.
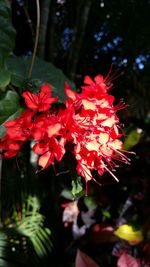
(9,147)
(19,128)
(95,88)
(40,102)
(95,125)
(49,150)
(88,123)
(18,131)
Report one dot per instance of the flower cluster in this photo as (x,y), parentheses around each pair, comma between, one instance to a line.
(86,120)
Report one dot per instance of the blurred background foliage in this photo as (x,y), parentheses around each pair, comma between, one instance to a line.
(76,38)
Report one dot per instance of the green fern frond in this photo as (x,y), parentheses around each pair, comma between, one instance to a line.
(32,226)
(25,237)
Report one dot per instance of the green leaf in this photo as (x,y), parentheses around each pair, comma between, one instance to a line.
(106,213)
(18,66)
(90,202)
(43,72)
(8,105)
(5,77)
(66,193)
(132,139)
(7,32)
(76,186)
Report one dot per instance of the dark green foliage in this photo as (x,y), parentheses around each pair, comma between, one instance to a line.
(8,105)
(7,32)
(7,41)
(43,72)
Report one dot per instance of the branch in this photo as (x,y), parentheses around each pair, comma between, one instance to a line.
(36,38)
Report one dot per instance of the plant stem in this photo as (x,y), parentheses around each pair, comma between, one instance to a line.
(36,38)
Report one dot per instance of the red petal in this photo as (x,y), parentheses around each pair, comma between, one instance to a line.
(45,103)
(31,100)
(88,80)
(88,105)
(37,133)
(84,171)
(71,94)
(16,133)
(99,79)
(45,91)
(46,159)
(10,154)
(44,97)
(60,152)
(40,148)
(53,129)
(14,146)
(10,123)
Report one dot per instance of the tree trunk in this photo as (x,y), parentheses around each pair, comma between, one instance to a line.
(84,7)
(51,32)
(45,8)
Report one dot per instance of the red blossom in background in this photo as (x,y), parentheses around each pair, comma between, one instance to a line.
(88,122)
